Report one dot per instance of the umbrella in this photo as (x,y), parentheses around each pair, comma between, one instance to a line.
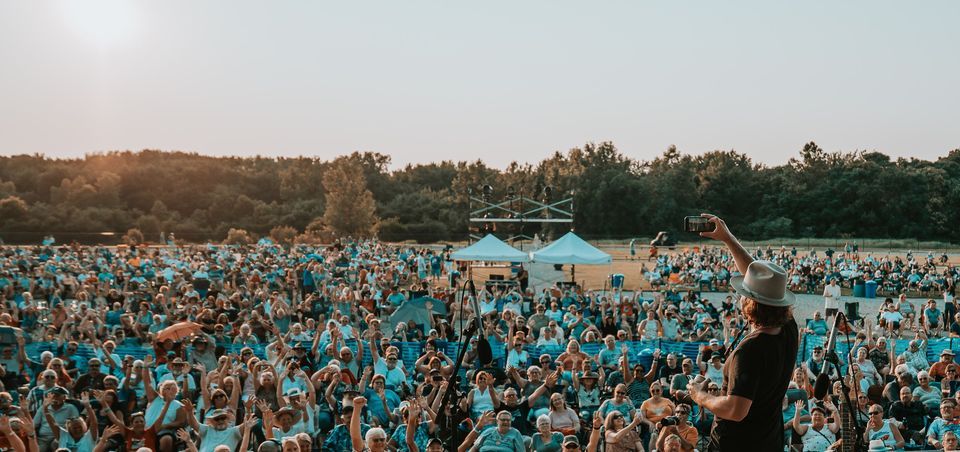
(416,310)
(178,331)
(439,306)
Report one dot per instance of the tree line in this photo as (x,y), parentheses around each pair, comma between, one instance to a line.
(199,198)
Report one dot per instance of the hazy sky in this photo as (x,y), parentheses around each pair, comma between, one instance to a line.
(511,80)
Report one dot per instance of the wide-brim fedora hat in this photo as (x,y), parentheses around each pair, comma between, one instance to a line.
(765,283)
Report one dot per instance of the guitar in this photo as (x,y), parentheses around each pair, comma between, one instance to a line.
(850,441)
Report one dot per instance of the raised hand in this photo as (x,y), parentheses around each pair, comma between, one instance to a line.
(551,379)
(830,406)
(720,232)
(26,423)
(597,420)
(112,430)
(486,419)
(183,435)
(359,402)
(413,412)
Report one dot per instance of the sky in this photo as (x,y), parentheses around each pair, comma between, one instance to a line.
(496,80)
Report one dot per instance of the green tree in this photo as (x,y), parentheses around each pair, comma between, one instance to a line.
(350,207)
(12,208)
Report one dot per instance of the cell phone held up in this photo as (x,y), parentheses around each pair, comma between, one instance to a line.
(698,224)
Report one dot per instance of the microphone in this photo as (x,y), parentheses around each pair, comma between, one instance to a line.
(484,351)
(822,385)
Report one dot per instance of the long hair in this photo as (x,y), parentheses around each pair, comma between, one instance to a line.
(763,315)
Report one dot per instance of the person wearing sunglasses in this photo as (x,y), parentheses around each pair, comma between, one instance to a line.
(945,422)
(72,434)
(817,435)
(883,430)
(54,404)
(682,429)
(502,438)
(620,402)
(375,439)
(48,380)
(622,436)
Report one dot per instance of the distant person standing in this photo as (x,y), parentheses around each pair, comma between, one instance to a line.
(523,278)
(633,249)
(831,298)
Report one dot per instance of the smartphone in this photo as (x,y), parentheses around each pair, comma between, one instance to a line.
(698,224)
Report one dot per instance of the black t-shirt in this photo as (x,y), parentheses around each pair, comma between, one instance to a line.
(520,412)
(759,369)
(913,415)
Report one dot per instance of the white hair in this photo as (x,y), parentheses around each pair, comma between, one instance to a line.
(374,431)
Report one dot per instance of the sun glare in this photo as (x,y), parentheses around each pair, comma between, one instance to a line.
(105,23)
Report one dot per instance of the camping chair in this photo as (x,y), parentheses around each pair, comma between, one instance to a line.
(852,311)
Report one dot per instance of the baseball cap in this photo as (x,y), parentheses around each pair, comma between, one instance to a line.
(60,390)
(292,392)
(218,413)
(571,439)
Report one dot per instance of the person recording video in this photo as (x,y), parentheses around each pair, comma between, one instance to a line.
(756,374)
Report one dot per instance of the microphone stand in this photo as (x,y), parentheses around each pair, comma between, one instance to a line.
(449,431)
(830,356)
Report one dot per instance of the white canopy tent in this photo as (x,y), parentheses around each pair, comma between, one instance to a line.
(570,249)
(490,249)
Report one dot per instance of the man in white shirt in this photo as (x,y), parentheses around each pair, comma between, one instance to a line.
(517,356)
(831,298)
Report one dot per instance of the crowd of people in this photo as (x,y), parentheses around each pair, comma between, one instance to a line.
(710,268)
(215,348)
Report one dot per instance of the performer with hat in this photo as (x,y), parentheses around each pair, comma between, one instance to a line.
(756,374)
